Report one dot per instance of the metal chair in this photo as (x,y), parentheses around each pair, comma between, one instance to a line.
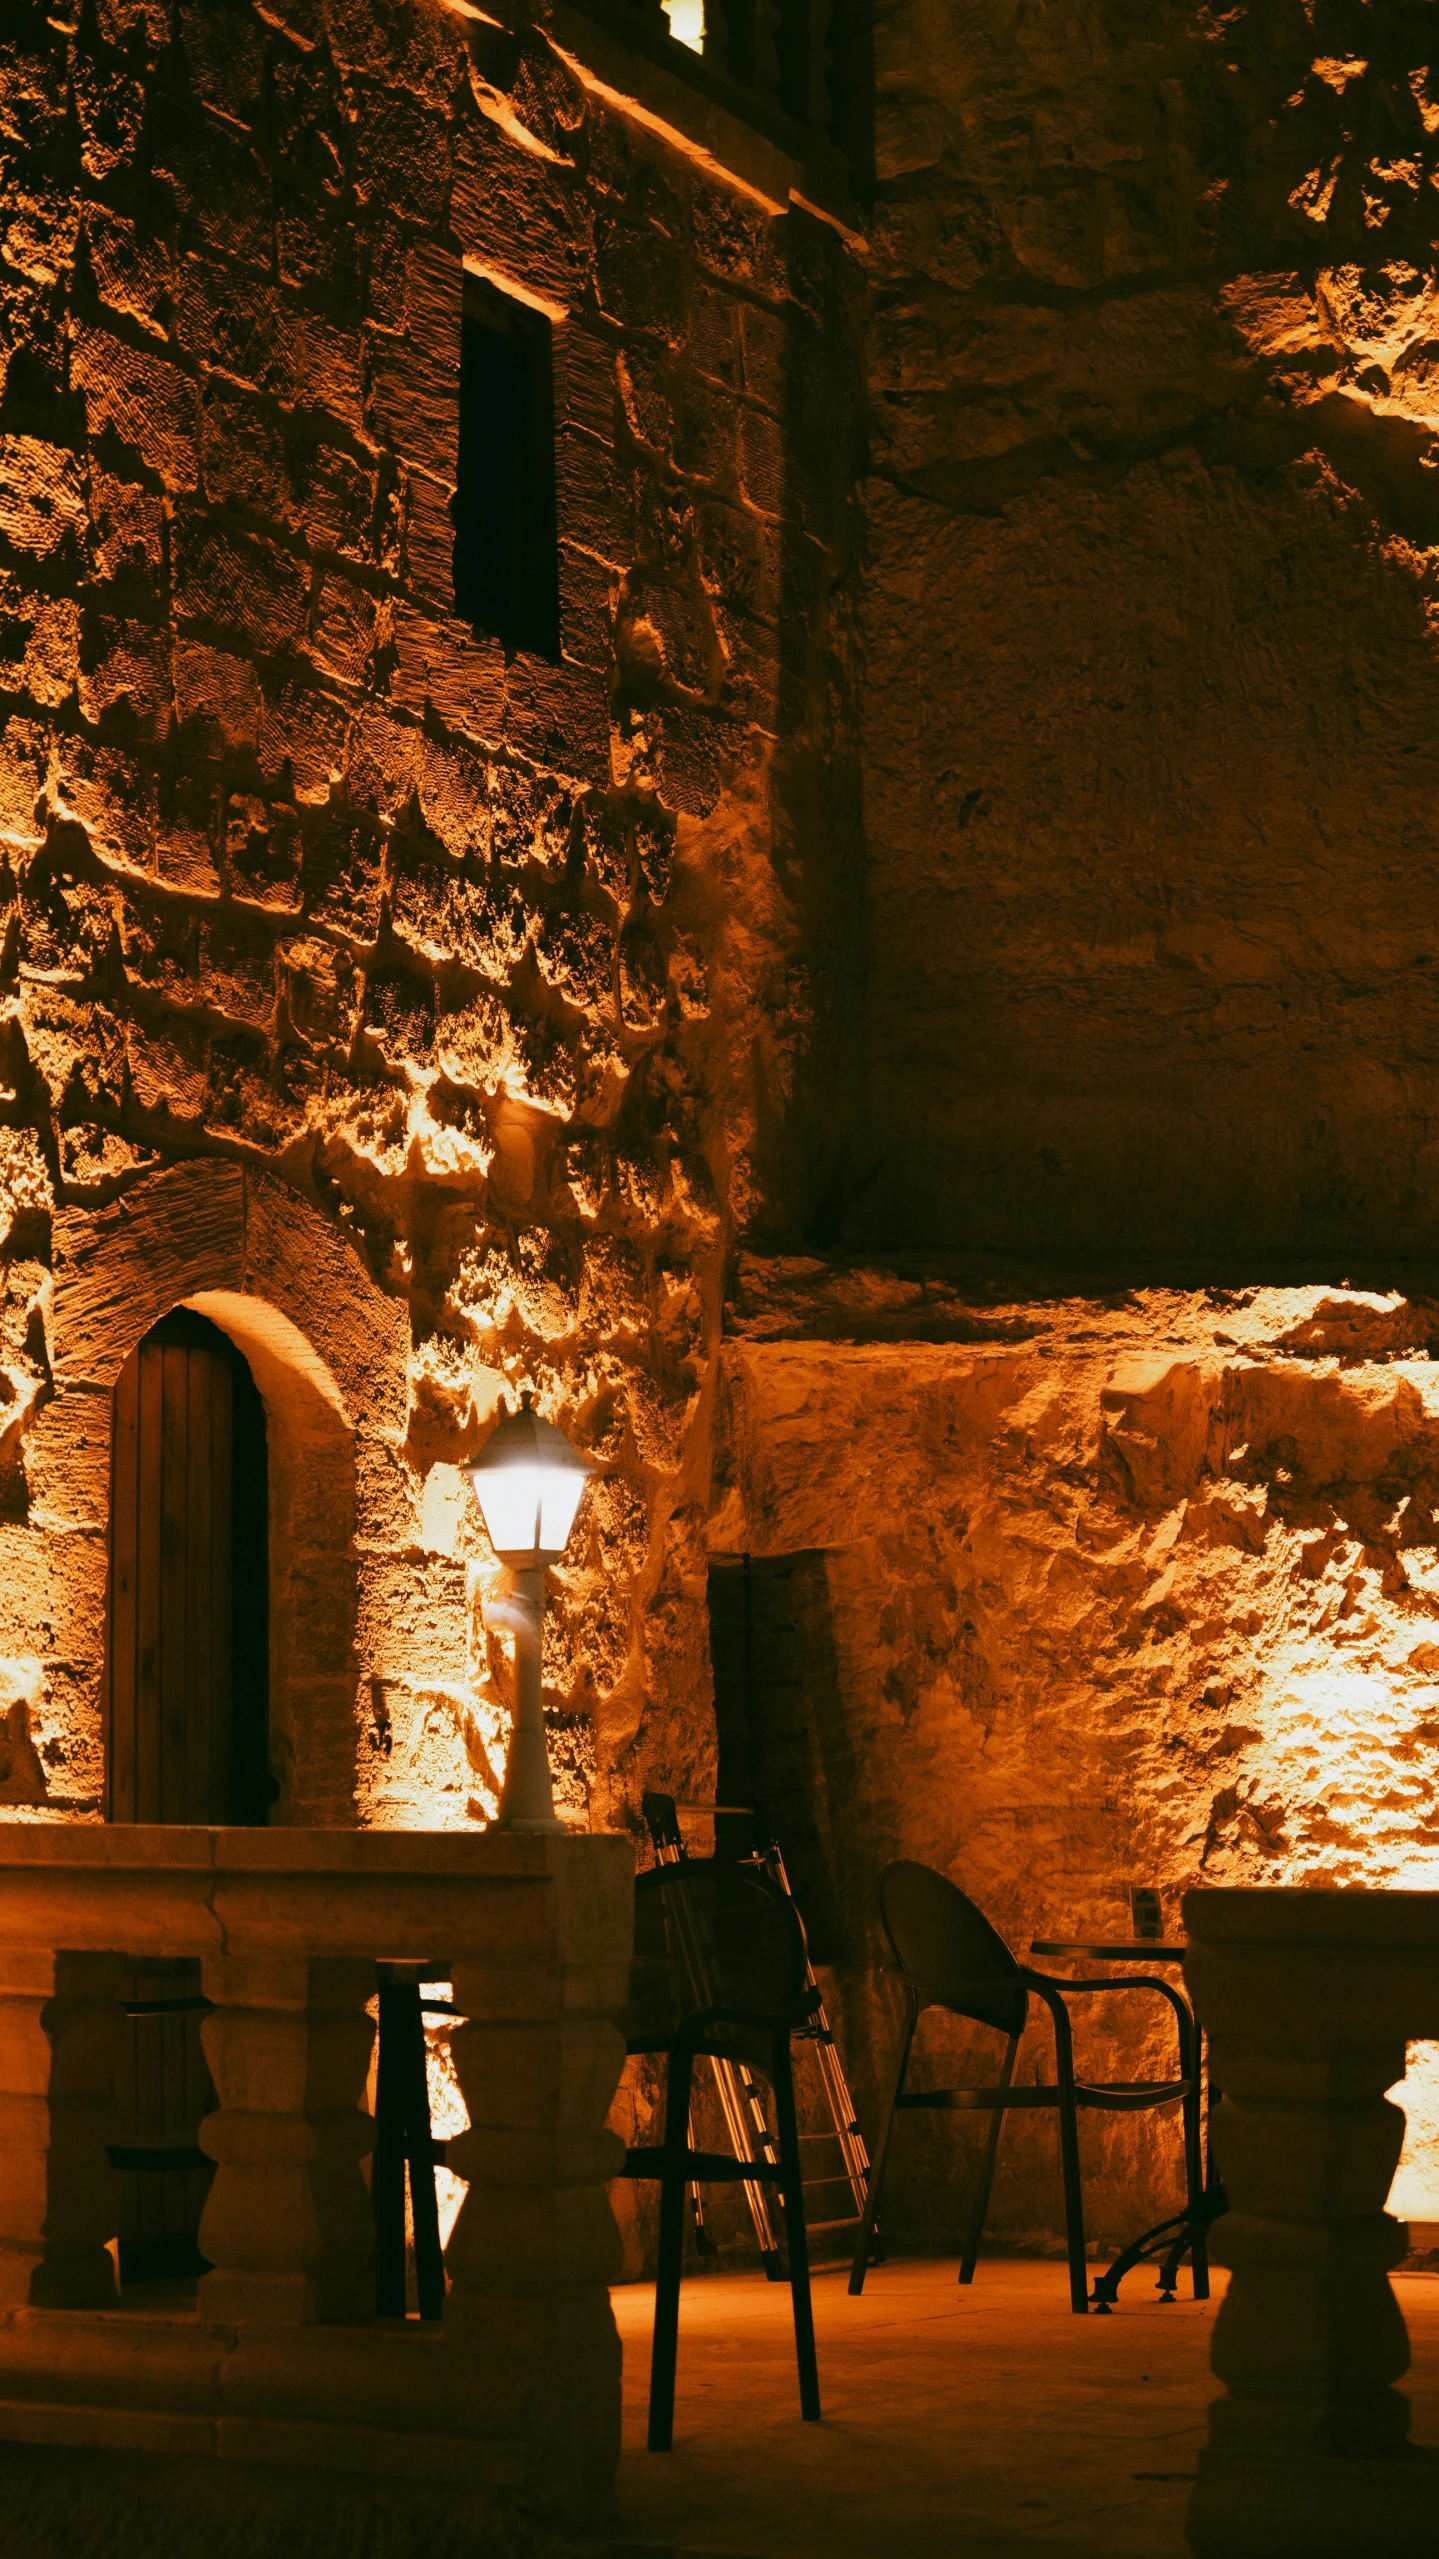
(720,1966)
(947,1956)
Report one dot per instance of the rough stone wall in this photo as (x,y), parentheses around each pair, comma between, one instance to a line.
(1100,1592)
(502,968)
(1151,711)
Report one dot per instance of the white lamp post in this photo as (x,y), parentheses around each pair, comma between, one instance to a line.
(527,1481)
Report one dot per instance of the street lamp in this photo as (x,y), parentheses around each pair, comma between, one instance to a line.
(527,1480)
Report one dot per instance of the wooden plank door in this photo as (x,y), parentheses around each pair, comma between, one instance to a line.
(171,1577)
(186,1716)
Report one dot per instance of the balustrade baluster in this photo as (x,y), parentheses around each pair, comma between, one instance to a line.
(60,2029)
(1308,1998)
(535,2244)
(287,2223)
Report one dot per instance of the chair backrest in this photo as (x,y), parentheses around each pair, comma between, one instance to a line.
(712,1934)
(947,1949)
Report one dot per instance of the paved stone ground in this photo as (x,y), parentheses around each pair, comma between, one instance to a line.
(969,2424)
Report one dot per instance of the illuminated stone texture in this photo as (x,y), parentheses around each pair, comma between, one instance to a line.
(439,1024)
(486,977)
(1092,1592)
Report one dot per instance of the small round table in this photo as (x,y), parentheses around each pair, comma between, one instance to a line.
(1186,2233)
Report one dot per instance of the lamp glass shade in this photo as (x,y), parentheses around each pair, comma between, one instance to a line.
(528,1481)
(529,1510)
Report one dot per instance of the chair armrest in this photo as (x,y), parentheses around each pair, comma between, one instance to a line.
(1048,1984)
(1106,1981)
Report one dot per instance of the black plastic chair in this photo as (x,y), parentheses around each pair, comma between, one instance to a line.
(720,1963)
(948,1956)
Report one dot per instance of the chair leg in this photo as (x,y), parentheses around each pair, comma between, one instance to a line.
(387,2167)
(1069,2158)
(665,2352)
(881,2155)
(1194,2168)
(796,2237)
(420,2154)
(980,2206)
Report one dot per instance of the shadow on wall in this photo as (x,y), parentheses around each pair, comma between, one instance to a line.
(1150,717)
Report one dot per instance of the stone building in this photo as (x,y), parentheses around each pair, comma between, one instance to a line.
(744,735)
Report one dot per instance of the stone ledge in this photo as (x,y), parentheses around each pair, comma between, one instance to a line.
(1273,1915)
(137,2506)
(144,1847)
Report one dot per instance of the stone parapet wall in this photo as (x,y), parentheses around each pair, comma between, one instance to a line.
(282,2372)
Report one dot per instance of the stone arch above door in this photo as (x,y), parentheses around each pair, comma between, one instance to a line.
(328,1351)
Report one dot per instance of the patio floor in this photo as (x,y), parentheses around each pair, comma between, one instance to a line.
(974,2423)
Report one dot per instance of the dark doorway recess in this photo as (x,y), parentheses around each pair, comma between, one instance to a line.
(769,1644)
(507,573)
(187,1725)
(187,1661)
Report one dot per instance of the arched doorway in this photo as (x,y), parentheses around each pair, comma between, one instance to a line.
(186,1721)
(187,1649)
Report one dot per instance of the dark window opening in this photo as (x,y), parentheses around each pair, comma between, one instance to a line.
(507,580)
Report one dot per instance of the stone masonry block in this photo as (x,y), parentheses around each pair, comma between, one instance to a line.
(131,268)
(586,391)
(124,677)
(150,405)
(302,738)
(430,540)
(244,456)
(343,627)
(217,696)
(24,756)
(517,215)
(41,498)
(238,583)
(415,401)
(402,152)
(42,641)
(445,667)
(414,1625)
(67,1462)
(559,716)
(594,498)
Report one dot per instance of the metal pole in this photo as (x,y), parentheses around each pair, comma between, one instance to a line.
(527,1799)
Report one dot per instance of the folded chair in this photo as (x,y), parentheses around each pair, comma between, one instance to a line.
(720,1966)
(947,1956)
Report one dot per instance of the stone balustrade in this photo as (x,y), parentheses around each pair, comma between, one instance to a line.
(1309,1999)
(509,2408)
